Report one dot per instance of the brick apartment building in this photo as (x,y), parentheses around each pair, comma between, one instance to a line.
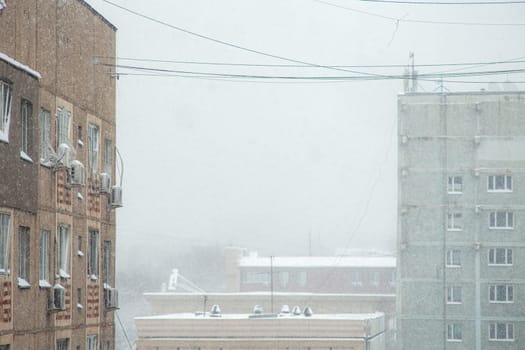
(57,217)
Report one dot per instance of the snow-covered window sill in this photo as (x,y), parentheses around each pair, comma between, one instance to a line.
(107,286)
(80,196)
(23,284)
(63,274)
(93,277)
(46,164)
(80,143)
(44,284)
(79,306)
(79,253)
(25,157)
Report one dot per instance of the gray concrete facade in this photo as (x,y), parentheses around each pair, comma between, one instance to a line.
(461,221)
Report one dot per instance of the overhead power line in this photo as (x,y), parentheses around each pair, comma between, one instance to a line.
(245,64)
(298,77)
(421,21)
(415,2)
(222,42)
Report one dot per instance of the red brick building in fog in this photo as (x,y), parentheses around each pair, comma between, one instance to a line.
(57,138)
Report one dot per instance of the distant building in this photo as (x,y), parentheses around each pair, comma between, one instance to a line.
(361,274)
(261,331)
(57,135)
(461,276)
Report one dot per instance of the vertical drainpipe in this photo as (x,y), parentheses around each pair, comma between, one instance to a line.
(477,248)
(444,174)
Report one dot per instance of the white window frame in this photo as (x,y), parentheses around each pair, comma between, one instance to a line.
(26,111)
(454,295)
(454,221)
(493,256)
(108,157)
(257,277)
(506,327)
(453,258)
(284,278)
(497,222)
(501,294)
(5,242)
(455,184)
(356,279)
(454,332)
(505,180)
(62,344)
(45,135)
(376,278)
(302,278)
(6,97)
(64,250)
(93,246)
(24,255)
(43,266)
(92,342)
(107,251)
(93,147)
(63,126)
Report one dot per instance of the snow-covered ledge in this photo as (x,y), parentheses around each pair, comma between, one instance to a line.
(14,62)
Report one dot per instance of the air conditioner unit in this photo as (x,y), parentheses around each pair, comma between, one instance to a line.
(105,183)
(58,302)
(111,298)
(64,155)
(116,196)
(77,173)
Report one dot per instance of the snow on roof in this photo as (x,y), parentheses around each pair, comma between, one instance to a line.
(319,261)
(200,316)
(19,65)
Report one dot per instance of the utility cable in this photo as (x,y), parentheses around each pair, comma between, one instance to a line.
(124,330)
(407,20)
(222,42)
(415,2)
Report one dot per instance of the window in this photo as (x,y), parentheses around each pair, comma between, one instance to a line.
(93,148)
(23,257)
(257,277)
(501,331)
(45,136)
(63,251)
(105,345)
(43,269)
(92,342)
(25,137)
(106,262)
(500,256)
(454,221)
(453,257)
(375,278)
(63,344)
(499,183)
(5,347)
(93,254)
(63,126)
(455,184)
(5,110)
(356,279)
(108,156)
(453,295)
(302,278)
(392,281)
(454,332)
(501,219)
(501,294)
(284,277)
(5,224)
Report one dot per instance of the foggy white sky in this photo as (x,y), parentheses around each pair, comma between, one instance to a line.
(262,165)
